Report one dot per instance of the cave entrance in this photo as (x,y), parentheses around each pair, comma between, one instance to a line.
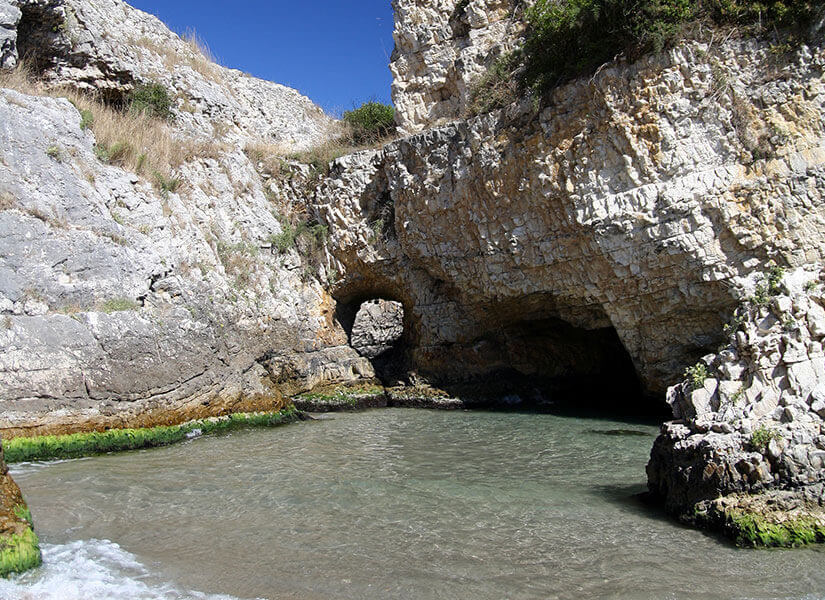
(376,330)
(549,363)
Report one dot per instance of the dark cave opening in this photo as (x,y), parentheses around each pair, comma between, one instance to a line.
(550,365)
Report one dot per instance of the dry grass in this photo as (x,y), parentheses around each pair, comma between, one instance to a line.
(132,140)
(7,201)
(268,158)
(194,54)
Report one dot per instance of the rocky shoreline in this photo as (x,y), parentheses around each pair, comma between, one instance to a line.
(747,452)
(588,246)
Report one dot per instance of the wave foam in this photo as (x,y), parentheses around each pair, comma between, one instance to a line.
(92,569)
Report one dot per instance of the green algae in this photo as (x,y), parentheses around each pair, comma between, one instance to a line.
(753,530)
(76,445)
(19,553)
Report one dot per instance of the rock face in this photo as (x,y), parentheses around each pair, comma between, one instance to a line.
(441,49)
(127,303)
(107,47)
(635,205)
(378,326)
(9,18)
(751,417)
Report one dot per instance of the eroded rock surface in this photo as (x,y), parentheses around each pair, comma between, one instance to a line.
(128,302)
(441,50)
(638,201)
(751,418)
(9,18)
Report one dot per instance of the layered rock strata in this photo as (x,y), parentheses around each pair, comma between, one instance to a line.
(749,439)
(626,213)
(441,50)
(128,300)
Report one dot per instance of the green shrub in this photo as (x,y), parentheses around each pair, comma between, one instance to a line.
(370,122)
(116,154)
(87,118)
(55,153)
(697,375)
(151,99)
(574,37)
(761,437)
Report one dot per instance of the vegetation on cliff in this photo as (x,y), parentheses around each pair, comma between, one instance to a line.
(114,440)
(573,38)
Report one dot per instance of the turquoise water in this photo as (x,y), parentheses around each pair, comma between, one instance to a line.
(386,504)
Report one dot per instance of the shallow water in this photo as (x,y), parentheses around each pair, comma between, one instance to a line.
(392,503)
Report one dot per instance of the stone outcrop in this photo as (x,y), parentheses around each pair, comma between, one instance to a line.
(441,50)
(127,303)
(634,205)
(9,18)
(107,47)
(378,326)
(751,418)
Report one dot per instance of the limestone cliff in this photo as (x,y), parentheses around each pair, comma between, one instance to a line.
(441,49)
(142,299)
(637,201)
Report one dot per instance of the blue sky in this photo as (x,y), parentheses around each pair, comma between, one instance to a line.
(334,51)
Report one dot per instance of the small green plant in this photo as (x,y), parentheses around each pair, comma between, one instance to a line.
(811,285)
(55,153)
(119,305)
(696,375)
(737,396)
(371,122)
(775,275)
(761,437)
(87,118)
(377,227)
(166,185)
(151,99)
(282,242)
(22,512)
(116,154)
(789,324)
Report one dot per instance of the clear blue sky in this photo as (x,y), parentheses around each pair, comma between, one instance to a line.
(334,51)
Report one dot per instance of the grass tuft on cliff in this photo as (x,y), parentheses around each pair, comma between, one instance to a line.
(138,138)
(76,445)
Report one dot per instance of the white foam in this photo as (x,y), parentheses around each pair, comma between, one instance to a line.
(90,570)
